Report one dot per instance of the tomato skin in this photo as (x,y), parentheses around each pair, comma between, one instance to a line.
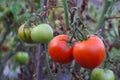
(24,33)
(4,47)
(42,33)
(102,74)
(22,57)
(59,50)
(89,53)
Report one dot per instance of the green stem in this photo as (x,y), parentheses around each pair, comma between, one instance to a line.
(106,5)
(107,59)
(84,36)
(66,13)
(71,38)
(52,77)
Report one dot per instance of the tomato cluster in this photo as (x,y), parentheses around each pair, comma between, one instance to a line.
(41,33)
(88,53)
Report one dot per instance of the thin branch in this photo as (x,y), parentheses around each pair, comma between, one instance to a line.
(40,63)
(83,7)
(50,74)
(113,17)
(106,10)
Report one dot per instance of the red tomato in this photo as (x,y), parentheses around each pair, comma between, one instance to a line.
(59,50)
(4,47)
(89,53)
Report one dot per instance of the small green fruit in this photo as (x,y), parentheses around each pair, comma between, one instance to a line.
(22,57)
(101,74)
(57,22)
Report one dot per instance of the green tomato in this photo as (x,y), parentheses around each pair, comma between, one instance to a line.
(22,57)
(43,33)
(57,22)
(101,74)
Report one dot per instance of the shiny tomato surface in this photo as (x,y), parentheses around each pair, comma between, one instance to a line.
(59,49)
(89,53)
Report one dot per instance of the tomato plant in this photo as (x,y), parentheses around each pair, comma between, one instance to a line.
(59,50)
(24,33)
(43,33)
(22,57)
(77,18)
(101,74)
(89,53)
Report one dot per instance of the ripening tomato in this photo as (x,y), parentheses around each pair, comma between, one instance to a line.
(59,50)
(24,33)
(4,47)
(89,53)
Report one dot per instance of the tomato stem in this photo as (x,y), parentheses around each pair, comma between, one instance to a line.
(84,36)
(71,38)
(40,63)
(52,77)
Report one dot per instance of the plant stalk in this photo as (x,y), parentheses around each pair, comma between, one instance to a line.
(106,5)
(66,13)
(51,75)
(40,63)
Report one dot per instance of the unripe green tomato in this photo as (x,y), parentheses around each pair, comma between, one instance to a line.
(22,57)
(57,22)
(43,33)
(101,74)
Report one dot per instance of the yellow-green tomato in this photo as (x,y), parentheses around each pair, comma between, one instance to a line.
(22,57)
(24,33)
(43,33)
(101,74)
(57,22)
